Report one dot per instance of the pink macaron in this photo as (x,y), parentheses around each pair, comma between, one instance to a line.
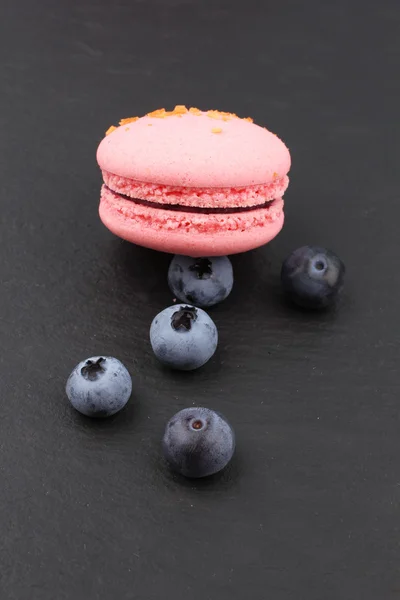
(192,182)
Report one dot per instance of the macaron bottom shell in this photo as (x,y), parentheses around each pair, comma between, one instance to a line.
(190,234)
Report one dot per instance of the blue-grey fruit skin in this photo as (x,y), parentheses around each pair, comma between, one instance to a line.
(198,442)
(313,277)
(201,281)
(99,386)
(183,337)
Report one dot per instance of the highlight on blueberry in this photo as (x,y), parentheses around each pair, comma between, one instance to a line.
(313,277)
(99,386)
(198,442)
(201,281)
(183,337)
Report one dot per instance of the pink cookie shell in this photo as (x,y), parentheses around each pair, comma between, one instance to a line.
(184,151)
(176,232)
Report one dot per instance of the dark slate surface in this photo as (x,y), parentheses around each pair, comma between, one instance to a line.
(309,508)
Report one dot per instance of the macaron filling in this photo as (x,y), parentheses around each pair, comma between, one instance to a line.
(161,216)
(192,209)
(197,197)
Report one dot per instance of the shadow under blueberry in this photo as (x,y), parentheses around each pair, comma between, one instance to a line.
(258,278)
(286,307)
(115,424)
(223,480)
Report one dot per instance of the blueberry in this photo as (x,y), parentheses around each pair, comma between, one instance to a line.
(99,386)
(313,277)
(201,281)
(198,442)
(183,337)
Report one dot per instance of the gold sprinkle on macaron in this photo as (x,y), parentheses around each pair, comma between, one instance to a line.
(179,111)
(110,130)
(161,113)
(128,120)
(213,114)
(157,114)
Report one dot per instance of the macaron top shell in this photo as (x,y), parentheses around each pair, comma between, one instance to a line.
(192,148)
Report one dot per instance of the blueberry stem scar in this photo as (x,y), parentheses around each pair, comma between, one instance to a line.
(182,318)
(197,424)
(92,369)
(202,267)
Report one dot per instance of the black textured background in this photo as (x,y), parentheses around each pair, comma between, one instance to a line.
(310,506)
